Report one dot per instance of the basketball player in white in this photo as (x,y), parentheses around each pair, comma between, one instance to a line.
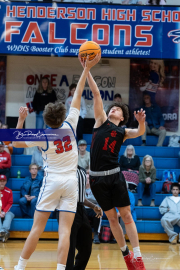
(59,189)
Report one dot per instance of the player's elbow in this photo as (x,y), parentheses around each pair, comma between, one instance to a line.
(96,94)
(16,144)
(141,132)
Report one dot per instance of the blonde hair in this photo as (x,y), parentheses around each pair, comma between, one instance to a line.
(144,159)
(129,147)
(161,71)
(40,88)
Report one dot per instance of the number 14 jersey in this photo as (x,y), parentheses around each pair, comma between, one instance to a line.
(105,146)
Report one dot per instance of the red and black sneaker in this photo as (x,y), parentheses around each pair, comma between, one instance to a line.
(139,264)
(129,260)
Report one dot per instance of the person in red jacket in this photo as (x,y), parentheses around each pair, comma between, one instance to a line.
(5,161)
(6,216)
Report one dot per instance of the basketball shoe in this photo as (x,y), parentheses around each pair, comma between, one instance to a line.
(16,268)
(129,261)
(139,264)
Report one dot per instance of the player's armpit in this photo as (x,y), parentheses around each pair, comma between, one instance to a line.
(19,144)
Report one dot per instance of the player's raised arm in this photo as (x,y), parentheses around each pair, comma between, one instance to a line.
(76,101)
(23,112)
(134,133)
(99,113)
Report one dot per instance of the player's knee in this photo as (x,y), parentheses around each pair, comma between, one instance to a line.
(37,231)
(113,221)
(65,233)
(127,217)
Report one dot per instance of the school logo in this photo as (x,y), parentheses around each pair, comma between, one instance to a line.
(175,34)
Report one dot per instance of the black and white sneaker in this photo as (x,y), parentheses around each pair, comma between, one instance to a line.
(2,233)
(5,237)
(96,239)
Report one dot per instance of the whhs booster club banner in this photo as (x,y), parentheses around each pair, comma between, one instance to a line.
(60,28)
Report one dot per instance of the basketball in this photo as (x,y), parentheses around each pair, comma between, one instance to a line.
(90,48)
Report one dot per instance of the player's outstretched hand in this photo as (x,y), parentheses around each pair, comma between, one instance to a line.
(98,211)
(23,112)
(140,116)
(81,60)
(89,64)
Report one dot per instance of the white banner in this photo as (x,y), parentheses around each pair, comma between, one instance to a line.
(61,78)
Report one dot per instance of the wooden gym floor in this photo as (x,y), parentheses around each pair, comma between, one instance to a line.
(104,256)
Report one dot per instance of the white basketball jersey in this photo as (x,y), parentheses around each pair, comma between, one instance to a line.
(61,156)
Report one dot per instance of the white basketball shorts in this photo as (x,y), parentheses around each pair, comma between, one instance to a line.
(58,192)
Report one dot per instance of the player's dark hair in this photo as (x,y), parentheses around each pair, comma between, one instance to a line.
(124,109)
(175,185)
(73,85)
(54,114)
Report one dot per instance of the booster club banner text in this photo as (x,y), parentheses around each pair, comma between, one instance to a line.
(60,29)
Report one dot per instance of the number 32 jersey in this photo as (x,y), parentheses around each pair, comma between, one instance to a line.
(105,146)
(61,156)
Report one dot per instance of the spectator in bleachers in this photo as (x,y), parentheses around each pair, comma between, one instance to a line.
(5,161)
(129,164)
(154,121)
(37,159)
(170,209)
(8,145)
(83,111)
(83,156)
(6,216)
(0,124)
(118,99)
(132,2)
(154,80)
(29,192)
(156,2)
(44,95)
(96,222)
(147,178)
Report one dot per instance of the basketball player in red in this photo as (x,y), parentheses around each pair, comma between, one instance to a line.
(107,182)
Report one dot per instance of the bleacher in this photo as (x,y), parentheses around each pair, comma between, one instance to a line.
(148,218)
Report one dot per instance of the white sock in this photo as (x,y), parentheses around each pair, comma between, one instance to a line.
(123,248)
(137,252)
(22,263)
(61,266)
